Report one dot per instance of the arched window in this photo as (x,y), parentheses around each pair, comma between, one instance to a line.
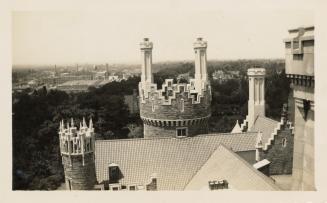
(284,142)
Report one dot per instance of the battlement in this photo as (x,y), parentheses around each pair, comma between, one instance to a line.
(256,72)
(170,91)
(199,43)
(181,109)
(75,141)
(175,101)
(146,44)
(299,54)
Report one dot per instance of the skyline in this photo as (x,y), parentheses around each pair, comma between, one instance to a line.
(70,37)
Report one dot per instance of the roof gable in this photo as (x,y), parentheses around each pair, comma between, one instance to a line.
(224,164)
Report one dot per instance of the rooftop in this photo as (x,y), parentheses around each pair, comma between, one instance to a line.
(224,164)
(174,160)
(264,125)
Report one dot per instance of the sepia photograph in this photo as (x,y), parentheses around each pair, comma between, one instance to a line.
(93,117)
(166,96)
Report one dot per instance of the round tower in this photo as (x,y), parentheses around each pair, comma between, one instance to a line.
(175,110)
(77,152)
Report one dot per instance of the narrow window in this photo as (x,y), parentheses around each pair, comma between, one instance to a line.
(152,104)
(284,142)
(132,187)
(182,105)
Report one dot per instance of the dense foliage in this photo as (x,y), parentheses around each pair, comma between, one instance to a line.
(36,116)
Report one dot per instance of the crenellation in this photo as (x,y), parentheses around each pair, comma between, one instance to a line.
(77,151)
(175,105)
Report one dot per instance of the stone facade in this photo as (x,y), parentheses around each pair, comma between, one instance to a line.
(256,103)
(280,151)
(170,131)
(174,107)
(299,54)
(77,152)
(77,175)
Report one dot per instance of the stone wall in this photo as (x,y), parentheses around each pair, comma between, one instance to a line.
(80,177)
(170,131)
(281,157)
(303,172)
(174,110)
(248,156)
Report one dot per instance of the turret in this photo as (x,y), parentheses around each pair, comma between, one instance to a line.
(146,57)
(175,110)
(77,152)
(200,49)
(256,103)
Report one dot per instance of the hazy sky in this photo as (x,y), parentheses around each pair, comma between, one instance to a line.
(113,36)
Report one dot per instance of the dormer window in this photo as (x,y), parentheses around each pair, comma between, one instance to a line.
(114,173)
(284,142)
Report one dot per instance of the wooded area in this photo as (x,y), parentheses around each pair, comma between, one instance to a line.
(36,156)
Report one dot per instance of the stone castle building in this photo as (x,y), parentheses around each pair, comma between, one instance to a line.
(176,109)
(299,60)
(177,152)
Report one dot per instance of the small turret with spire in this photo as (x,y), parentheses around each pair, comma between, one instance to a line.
(77,152)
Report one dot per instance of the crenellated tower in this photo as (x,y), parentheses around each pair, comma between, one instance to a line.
(77,152)
(175,110)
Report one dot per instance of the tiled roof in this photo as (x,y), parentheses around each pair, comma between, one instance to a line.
(264,125)
(174,160)
(224,164)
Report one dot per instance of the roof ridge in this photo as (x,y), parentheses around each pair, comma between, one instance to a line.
(167,138)
(196,172)
(267,179)
(223,146)
(266,118)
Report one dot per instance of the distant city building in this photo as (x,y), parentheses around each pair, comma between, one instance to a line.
(102,75)
(112,78)
(76,86)
(65,78)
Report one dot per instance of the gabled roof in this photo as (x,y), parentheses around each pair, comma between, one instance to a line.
(264,125)
(224,164)
(174,160)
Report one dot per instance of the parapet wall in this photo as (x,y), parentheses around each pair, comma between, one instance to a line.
(175,101)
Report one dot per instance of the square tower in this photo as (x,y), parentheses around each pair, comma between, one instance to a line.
(299,61)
